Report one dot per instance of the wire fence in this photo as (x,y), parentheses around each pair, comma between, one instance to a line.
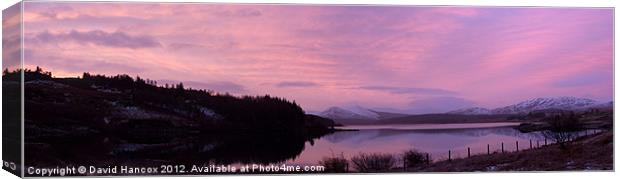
(502,148)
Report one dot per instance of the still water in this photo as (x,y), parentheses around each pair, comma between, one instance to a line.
(435,139)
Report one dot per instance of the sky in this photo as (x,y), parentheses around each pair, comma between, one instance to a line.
(415,59)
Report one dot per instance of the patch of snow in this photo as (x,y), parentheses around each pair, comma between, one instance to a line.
(115,91)
(210,113)
(471,111)
(48,83)
(564,102)
(137,113)
(340,113)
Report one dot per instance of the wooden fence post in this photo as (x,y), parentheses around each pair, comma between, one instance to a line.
(502,147)
(545,141)
(488,149)
(530,143)
(449,155)
(428,159)
(468,152)
(517,146)
(537,144)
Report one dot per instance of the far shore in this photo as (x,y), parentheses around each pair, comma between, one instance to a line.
(427,126)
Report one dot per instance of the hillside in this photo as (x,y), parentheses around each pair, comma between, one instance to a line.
(139,109)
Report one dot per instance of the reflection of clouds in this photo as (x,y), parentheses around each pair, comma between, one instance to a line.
(434,141)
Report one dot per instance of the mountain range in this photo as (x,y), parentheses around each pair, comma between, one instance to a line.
(361,115)
(563,103)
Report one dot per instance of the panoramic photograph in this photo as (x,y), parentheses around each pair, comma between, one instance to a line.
(199,89)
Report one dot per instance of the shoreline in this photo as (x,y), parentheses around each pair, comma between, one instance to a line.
(592,152)
(446,126)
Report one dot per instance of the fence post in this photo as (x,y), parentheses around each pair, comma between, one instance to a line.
(502,147)
(468,153)
(530,143)
(488,150)
(537,144)
(428,159)
(517,146)
(545,141)
(449,155)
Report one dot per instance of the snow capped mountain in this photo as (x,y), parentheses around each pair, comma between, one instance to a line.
(561,103)
(471,111)
(565,103)
(355,112)
(363,111)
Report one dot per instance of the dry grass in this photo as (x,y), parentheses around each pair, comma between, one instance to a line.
(586,153)
(374,162)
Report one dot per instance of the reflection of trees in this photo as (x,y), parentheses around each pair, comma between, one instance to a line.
(253,148)
(217,149)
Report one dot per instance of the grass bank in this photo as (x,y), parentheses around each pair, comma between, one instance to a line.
(593,152)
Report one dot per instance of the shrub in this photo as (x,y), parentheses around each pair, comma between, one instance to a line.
(413,158)
(375,162)
(335,164)
(562,128)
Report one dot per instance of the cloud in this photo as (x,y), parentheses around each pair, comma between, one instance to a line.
(439,104)
(183,46)
(239,13)
(377,55)
(294,84)
(407,90)
(588,79)
(99,37)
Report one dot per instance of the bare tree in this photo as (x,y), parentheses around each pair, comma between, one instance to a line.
(562,128)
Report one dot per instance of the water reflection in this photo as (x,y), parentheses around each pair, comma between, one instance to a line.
(435,141)
(273,148)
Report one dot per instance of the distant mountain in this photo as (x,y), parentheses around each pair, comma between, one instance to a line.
(471,111)
(603,105)
(564,103)
(388,115)
(341,113)
(443,119)
(537,104)
(357,115)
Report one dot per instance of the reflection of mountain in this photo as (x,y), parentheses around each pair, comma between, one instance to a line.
(377,134)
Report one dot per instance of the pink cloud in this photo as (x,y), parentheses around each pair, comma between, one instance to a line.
(485,56)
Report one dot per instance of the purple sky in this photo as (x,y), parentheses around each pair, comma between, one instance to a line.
(416,59)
